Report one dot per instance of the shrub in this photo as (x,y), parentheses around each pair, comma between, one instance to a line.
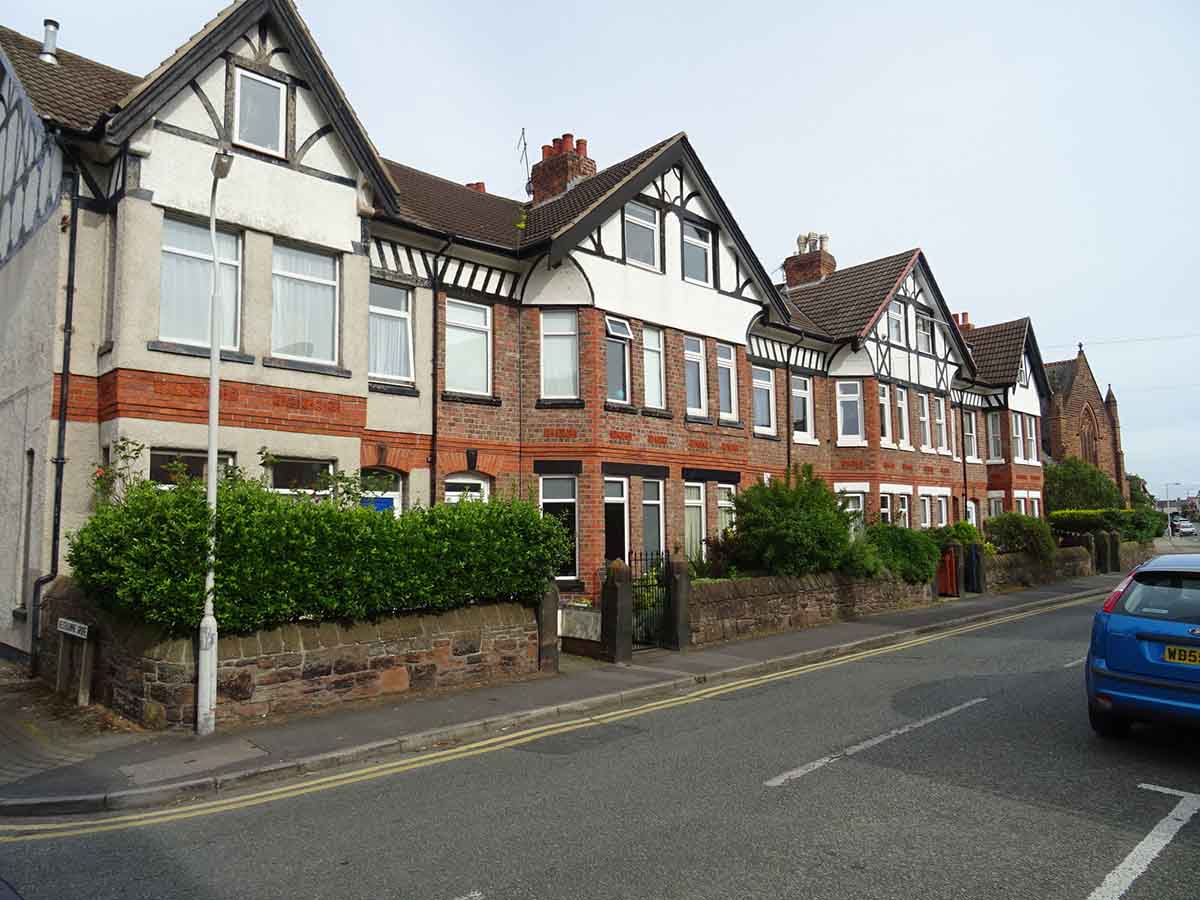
(792,526)
(910,555)
(963,532)
(1075,484)
(282,559)
(1015,533)
(718,560)
(862,559)
(1138,524)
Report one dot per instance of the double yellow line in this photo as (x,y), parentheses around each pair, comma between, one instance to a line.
(73,828)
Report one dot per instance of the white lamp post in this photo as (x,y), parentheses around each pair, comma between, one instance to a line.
(206,681)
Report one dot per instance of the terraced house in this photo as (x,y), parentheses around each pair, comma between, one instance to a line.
(611,346)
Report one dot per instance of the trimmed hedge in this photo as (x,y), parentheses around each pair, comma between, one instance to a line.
(1015,533)
(281,558)
(910,555)
(1138,524)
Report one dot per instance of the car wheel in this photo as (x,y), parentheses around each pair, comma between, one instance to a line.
(1108,725)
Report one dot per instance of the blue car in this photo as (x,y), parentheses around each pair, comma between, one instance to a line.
(1144,660)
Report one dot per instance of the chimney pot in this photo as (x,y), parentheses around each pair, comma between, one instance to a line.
(568,140)
(558,146)
(49,52)
(581,147)
(812,262)
(547,151)
(477,186)
(564,164)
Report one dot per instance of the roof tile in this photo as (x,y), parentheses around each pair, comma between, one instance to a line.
(998,350)
(844,303)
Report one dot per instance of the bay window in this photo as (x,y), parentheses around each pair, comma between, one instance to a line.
(849,412)
(764,400)
(468,347)
(1018,441)
(727,382)
(618,336)
(694,376)
(939,421)
(1031,454)
(185,283)
(304,310)
(970,443)
(902,417)
(885,508)
(389,340)
(902,513)
(697,254)
(653,378)
(641,234)
(923,420)
(885,415)
(995,506)
(995,450)
(802,408)
(693,520)
(560,354)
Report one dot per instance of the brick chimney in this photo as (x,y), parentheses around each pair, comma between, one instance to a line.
(963,321)
(812,262)
(477,186)
(564,162)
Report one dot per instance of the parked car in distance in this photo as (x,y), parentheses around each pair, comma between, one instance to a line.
(1143,663)
(1184,528)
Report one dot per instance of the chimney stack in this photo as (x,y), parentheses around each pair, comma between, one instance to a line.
(812,261)
(49,52)
(564,162)
(477,186)
(963,321)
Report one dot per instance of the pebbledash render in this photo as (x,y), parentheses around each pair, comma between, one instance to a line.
(611,348)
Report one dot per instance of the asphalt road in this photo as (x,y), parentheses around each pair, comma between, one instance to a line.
(987,783)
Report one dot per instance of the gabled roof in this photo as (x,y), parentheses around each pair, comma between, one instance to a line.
(1061,375)
(76,93)
(846,303)
(998,350)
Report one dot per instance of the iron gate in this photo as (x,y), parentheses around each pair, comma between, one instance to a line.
(648,573)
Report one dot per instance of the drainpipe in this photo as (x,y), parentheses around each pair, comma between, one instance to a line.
(962,439)
(61,448)
(436,284)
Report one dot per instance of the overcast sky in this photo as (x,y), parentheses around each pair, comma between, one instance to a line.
(1044,156)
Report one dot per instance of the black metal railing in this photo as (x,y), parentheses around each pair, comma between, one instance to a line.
(649,575)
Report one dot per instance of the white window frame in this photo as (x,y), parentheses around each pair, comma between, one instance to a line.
(973,512)
(207,257)
(896,317)
(970,436)
(925,421)
(995,440)
(655,266)
(573,333)
(1018,438)
(725,497)
(902,424)
(660,503)
(708,254)
(995,503)
(396,496)
(1035,507)
(482,481)
(845,440)
(808,436)
(485,329)
(903,513)
(337,304)
(926,508)
(574,501)
(1023,374)
(703,505)
(855,503)
(885,416)
(885,508)
(939,424)
(660,363)
(1031,453)
(922,334)
(239,74)
(729,365)
(617,329)
(691,355)
(943,509)
(329,467)
(395,314)
(623,501)
(769,387)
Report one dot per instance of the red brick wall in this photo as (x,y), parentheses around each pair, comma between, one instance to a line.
(1065,421)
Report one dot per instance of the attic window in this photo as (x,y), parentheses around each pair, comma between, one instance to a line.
(260,105)
(697,247)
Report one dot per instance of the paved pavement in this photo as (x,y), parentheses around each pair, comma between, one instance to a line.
(955,765)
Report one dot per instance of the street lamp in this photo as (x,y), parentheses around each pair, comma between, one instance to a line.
(206,676)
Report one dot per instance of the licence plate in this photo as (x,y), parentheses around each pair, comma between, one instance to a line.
(1188,656)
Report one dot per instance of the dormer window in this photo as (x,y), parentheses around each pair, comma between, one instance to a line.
(924,334)
(260,107)
(641,235)
(697,254)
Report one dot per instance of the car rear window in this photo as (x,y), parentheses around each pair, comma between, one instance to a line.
(1174,596)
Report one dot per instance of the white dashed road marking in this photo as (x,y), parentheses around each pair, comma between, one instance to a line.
(868,744)
(1123,876)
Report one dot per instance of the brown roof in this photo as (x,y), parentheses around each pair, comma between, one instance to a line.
(1061,375)
(75,93)
(847,301)
(998,350)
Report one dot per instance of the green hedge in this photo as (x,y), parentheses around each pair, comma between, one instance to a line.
(282,559)
(963,532)
(907,554)
(1015,533)
(1138,524)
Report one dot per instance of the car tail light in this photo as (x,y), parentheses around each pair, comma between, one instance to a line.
(1111,603)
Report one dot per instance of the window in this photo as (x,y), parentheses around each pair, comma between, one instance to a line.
(726,513)
(693,520)
(995,506)
(939,421)
(305,305)
(653,380)
(383,490)
(885,414)
(902,515)
(926,514)
(1031,453)
(260,108)
(941,510)
(802,411)
(854,504)
(558,500)
(1166,596)
(764,400)
(185,284)
(924,334)
(616,356)
(902,415)
(468,347)
(972,512)
(1020,503)
(641,234)
(885,508)
(1035,507)
(560,353)
(467,486)
(995,451)
(390,338)
(1018,441)
(849,413)
(1023,373)
(727,381)
(923,419)
(694,376)
(652,517)
(194,462)
(896,322)
(296,476)
(971,445)
(616,519)
(697,250)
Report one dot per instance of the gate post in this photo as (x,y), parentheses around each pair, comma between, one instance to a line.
(547,619)
(960,571)
(616,614)
(677,624)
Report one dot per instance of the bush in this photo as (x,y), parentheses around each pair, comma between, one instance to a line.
(910,555)
(792,526)
(1015,533)
(1138,524)
(862,559)
(281,559)
(963,532)
(1075,484)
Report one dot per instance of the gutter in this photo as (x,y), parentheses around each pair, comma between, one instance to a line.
(436,284)
(59,459)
